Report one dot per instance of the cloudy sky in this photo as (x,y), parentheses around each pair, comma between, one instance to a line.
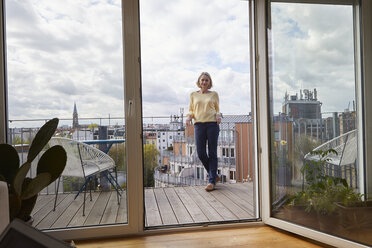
(313,48)
(61,52)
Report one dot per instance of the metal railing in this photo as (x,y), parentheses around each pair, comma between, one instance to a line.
(21,138)
(88,129)
(166,180)
(342,164)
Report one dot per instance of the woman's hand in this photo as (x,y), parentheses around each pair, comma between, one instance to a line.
(188,121)
(218,119)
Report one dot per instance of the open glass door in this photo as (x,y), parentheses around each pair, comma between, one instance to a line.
(315,127)
(179,41)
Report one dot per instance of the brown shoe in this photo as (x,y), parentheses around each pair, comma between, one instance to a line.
(210,187)
(218,179)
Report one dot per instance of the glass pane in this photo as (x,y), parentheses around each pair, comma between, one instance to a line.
(64,59)
(180,40)
(314,147)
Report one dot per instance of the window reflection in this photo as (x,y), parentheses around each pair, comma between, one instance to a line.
(314,162)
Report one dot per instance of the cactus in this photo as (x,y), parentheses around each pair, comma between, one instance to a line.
(23,191)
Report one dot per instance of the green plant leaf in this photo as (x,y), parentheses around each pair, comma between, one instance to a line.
(41,139)
(321,186)
(344,182)
(20,177)
(9,162)
(34,186)
(329,181)
(53,162)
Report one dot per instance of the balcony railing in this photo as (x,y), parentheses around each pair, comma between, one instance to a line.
(236,202)
(166,179)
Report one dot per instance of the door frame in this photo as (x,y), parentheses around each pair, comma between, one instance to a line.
(133,136)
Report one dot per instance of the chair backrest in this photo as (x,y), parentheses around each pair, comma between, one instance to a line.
(82,160)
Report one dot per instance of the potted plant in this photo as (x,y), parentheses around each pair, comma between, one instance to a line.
(324,202)
(318,195)
(23,190)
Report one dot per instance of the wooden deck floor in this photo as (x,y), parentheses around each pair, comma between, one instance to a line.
(163,206)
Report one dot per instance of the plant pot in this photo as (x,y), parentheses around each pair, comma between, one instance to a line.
(329,223)
(298,215)
(30,220)
(356,221)
(357,216)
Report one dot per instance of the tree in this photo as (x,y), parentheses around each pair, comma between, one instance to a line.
(18,141)
(93,126)
(118,154)
(150,154)
(303,145)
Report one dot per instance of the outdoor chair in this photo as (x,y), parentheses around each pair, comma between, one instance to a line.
(86,161)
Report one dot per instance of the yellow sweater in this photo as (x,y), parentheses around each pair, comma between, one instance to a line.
(204,107)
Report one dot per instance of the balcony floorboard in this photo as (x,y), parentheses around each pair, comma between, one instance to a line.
(164,206)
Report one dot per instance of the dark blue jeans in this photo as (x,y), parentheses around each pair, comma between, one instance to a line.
(207,133)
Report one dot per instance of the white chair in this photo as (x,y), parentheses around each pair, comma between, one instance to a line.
(85,161)
(4,206)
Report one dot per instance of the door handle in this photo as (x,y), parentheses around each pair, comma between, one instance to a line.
(130,107)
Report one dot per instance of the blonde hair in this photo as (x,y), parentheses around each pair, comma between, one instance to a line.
(210,79)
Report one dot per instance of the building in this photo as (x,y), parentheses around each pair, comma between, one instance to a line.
(306,106)
(347,121)
(235,155)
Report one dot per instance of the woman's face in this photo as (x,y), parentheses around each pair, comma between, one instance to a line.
(204,82)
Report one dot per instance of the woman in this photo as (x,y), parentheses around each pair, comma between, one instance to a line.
(205,111)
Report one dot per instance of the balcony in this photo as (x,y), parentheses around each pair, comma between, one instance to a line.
(180,203)
(163,206)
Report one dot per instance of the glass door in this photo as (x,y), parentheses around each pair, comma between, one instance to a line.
(65,60)
(316,154)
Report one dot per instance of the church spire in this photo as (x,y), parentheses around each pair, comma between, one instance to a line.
(75,117)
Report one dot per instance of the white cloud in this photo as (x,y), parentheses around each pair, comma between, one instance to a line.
(61,52)
(313,48)
(180,39)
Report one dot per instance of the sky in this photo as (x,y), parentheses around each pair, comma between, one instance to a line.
(313,48)
(65,52)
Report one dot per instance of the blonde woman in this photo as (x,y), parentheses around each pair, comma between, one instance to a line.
(204,110)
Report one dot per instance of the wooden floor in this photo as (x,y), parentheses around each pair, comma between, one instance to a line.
(253,237)
(163,206)
(183,205)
